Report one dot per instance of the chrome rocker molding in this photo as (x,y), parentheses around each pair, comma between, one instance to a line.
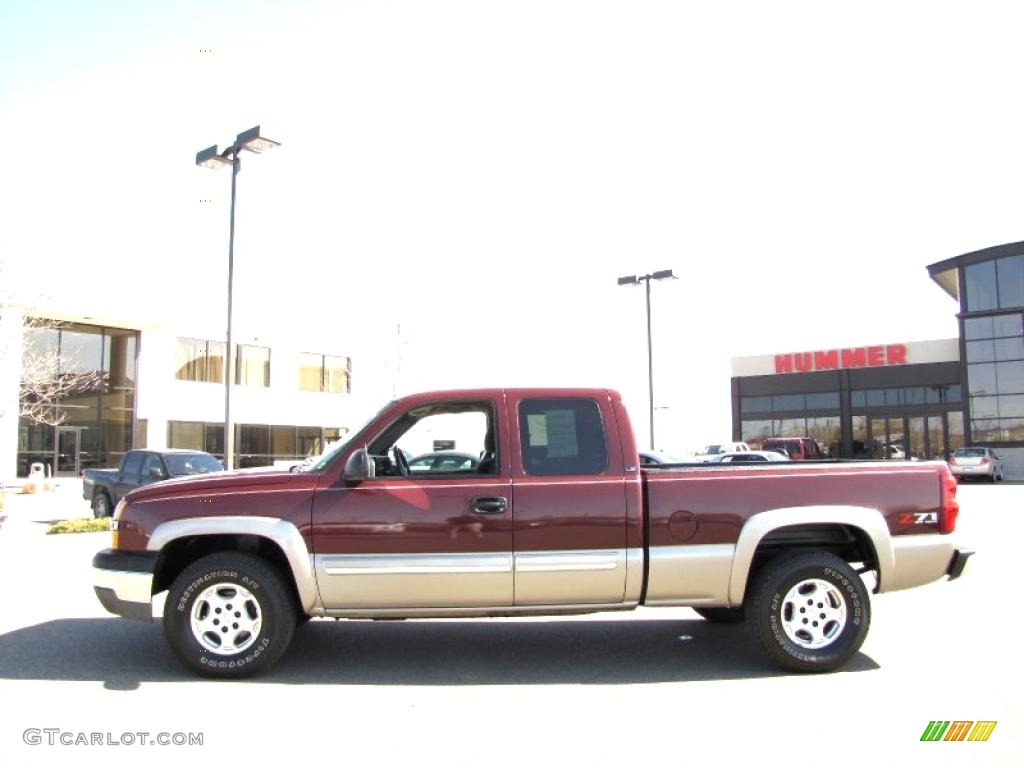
(281,532)
(870,521)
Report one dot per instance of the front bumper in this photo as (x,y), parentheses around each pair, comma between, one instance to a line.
(958,562)
(123,582)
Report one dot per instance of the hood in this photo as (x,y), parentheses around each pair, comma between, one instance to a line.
(222,482)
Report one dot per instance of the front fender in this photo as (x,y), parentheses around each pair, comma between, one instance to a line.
(281,532)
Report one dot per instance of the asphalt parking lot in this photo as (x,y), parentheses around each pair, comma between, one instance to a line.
(610,689)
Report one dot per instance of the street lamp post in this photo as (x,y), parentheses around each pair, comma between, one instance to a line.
(252,141)
(664,274)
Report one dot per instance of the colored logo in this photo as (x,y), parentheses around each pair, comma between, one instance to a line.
(958,730)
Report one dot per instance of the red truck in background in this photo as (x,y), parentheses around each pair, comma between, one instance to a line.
(558,517)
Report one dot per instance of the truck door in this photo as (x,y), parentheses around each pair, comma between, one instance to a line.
(569,490)
(422,534)
(127,476)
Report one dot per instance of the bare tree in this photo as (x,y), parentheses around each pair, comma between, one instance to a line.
(45,378)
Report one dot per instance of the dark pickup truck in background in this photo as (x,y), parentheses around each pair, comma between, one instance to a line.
(103,488)
(557,517)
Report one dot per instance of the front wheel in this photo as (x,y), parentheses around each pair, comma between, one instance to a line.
(100,505)
(229,615)
(810,611)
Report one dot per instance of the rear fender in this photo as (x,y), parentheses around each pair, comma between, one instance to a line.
(870,521)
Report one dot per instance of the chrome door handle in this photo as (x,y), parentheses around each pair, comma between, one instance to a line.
(488,505)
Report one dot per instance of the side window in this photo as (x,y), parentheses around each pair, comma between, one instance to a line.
(467,426)
(562,436)
(152,462)
(133,463)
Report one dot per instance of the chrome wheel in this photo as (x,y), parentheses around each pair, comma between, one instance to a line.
(226,619)
(813,613)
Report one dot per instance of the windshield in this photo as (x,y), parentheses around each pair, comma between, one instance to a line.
(181,464)
(975,452)
(320,463)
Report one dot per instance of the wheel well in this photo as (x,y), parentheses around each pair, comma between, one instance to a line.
(180,553)
(850,543)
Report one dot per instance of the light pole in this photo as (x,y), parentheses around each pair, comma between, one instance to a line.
(664,274)
(252,141)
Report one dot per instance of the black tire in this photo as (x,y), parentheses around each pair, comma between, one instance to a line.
(835,593)
(100,505)
(723,615)
(264,601)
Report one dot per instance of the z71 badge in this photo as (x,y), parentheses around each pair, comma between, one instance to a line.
(919,518)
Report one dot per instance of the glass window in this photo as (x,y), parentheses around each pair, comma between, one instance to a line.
(191,360)
(133,463)
(1010,377)
(984,407)
(308,441)
(311,372)
(1006,349)
(252,366)
(562,436)
(875,397)
(955,421)
(789,428)
(820,401)
(981,351)
(337,374)
(978,328)
(1011,405)
(254,439)
(215,362)
(213,439)
(826,431)
(859,428)
(858,398)
(152,463)
(913,395)
(756,432)
(81,351)
(954,393)
(185,434)
(1010,272)
(282,441)
(981,286)
(1007,325)
(755,404)
(981,379)
(788,403)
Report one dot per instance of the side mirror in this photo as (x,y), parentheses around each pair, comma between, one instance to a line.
(359,467)
(157,474)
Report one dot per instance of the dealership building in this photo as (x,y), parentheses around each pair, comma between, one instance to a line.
(906,399)
(128,383)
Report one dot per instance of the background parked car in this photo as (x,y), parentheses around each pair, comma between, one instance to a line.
(749,457)
(103,488)
(796,448)
(976,462)
(657,457)
(708,452)
(444,461)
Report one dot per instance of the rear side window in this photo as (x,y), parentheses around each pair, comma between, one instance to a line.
(562,436)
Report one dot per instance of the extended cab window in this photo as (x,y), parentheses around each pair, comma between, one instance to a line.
(133,463)
(562,436)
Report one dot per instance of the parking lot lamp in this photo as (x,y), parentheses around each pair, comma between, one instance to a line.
(251,141)
(664,274)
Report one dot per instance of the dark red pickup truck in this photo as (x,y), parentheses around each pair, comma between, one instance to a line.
(557,517)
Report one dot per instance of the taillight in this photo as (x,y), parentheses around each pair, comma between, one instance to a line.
(950,506)
(986,460)
(952,459)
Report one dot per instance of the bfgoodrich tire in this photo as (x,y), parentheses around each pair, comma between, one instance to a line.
(229,615)
(810,611)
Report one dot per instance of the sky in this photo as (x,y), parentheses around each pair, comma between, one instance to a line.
(478,174)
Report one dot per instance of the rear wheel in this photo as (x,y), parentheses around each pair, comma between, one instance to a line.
(723,615)
(229,615)
(810,611)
